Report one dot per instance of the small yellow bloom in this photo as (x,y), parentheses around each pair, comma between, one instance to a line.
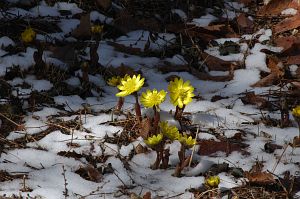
(181,93)
(28,35)
(187,141)
(130,85)
(212,181)
(96,29)
(296,111)
(154,140)
(153,98)
(114,81)
(170,132)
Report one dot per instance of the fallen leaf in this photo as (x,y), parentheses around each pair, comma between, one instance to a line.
(260,178)
(94,174)
(274,7)
(84,28)
(209,147)
(244,23)
(271,147)
(286,43)
(145,128)
(287,24)
(140,149)
(245,2)
(104,4)
(147,195)
(216,64)
(276,74)
(296,141)
(293,59)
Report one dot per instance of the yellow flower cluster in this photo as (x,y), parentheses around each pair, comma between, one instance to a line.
(181,93)
(96,29)
(153,98)
(28,35)
(296,111)
(170,132)
(129,85)
(187,141)
(212,181)
(154,140)
(114,81)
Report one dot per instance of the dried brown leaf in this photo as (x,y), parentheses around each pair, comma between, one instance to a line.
(244,22)
(287,24)
(94,174)
(104,4)
(145,128)
(147,195)
(274,7)
(293,59)
(84,28)
(260,178)
(276,73)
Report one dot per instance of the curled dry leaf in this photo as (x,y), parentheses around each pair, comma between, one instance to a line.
(260,178)
(147,195)
(287,24)
(251,98)
(296,141)
(93,174)
(145,128)
(104,4)
(274,7)
(244,22)
(276,73)
(84,28)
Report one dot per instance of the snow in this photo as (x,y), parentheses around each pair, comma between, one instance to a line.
(289,11)
(6,41)
(204,20)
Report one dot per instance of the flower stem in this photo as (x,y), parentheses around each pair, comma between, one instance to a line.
(156,120)
(138,113)
(179,112)
(120,104)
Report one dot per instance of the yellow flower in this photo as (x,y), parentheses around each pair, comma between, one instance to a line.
(170,132)
(96,29)
(130,85)
(154,140)
(296,111)
(153,98)
(212,181)
(114,81)
(181,93)
(187,141)
(28,35)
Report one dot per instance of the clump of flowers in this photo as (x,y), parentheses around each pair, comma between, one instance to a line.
(115,81)
(296,114)
(160,132)
(212,182)
(181,94)
(97,29)
(28,35)
(131,85)
(154,140)
(169,131)
(186,143)
(152,99)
